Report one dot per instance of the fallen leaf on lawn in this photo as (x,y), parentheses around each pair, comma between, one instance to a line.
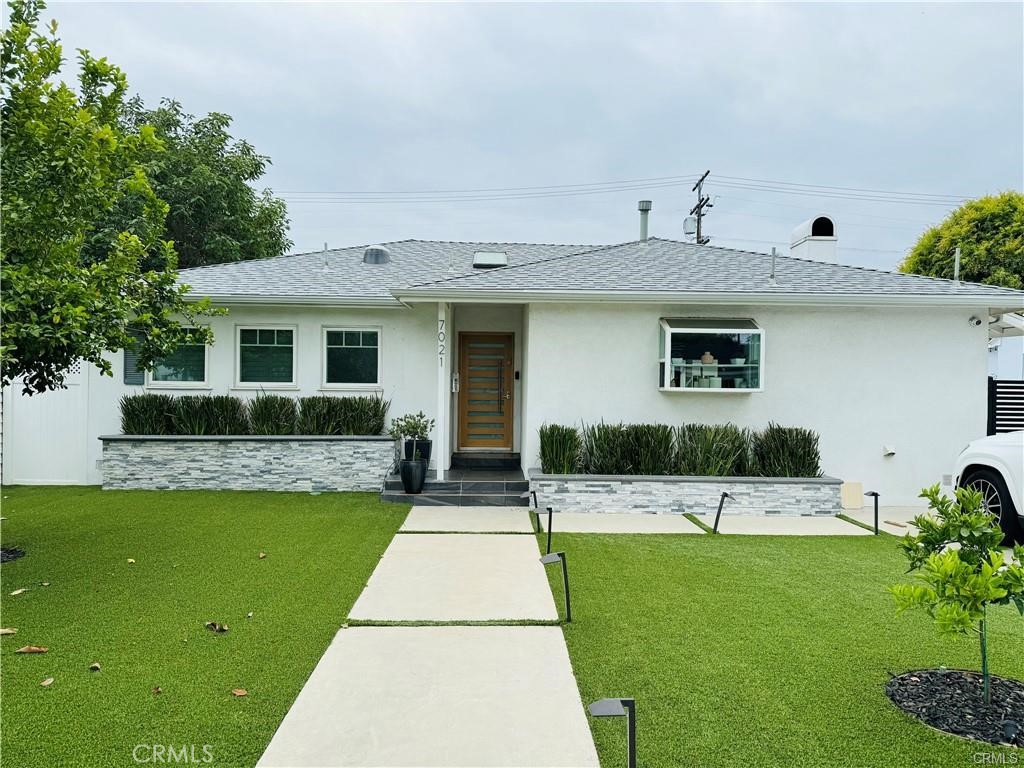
(8,630)
(94,667)
(47,682)
(216,626)
(248,615)
(263,555)
(19,591)
(157,690)
(44,583)
(239,691)
(33,649)
(131,561)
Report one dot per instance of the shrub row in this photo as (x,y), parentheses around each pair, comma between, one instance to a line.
(157,414)
(717,450)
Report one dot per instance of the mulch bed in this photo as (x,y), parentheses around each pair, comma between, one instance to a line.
(951,700)
(10,553)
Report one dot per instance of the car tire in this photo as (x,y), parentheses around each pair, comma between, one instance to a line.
(995,492)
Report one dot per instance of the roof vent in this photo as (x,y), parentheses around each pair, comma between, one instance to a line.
(815,239)
(376,254)
(490,259)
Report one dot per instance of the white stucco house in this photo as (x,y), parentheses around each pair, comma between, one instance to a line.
(492,340)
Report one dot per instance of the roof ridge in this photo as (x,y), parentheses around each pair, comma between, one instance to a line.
(301,253)
(497,270)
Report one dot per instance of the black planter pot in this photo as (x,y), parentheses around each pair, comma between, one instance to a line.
(423,446)
(414,474)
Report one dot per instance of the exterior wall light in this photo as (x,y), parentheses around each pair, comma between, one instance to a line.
(556,557)
(620,708)
(721,503)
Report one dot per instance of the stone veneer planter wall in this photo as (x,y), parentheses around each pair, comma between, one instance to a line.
(247,462)
(667,494)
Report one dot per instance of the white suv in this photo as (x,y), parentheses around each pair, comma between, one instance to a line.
(994,465)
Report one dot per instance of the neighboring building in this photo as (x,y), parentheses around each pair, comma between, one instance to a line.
(495,339)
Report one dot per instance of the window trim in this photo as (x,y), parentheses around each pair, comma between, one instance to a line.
(666,333)
(152,383)
(238,383)
(333,386)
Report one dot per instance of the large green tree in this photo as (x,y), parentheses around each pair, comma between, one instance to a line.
(66,163)
(204,175)
(990,234)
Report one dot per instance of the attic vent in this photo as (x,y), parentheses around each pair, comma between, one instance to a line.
(376,254)
(490,259)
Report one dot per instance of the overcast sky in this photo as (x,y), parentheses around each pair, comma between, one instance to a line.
(351,98)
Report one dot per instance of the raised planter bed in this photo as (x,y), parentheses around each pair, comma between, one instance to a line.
(674,494)
(247,462)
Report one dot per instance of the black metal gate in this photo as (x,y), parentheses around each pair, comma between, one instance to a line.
(1005,405)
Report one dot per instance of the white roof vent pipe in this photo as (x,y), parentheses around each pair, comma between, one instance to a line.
(644,206)
(376,254)
(815,239)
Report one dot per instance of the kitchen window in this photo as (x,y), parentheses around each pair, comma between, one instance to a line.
(266,356)
(711,355)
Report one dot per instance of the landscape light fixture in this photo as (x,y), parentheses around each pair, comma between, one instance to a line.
(874,494)
(534,515)
(556,557)
(619,708)
(1011,731)
(551,513)
(721,503)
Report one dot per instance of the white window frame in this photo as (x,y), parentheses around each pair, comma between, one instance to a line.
(377,385)
(239,384)
(666,362)
(152,383)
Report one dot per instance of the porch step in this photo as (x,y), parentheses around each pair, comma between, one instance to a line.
(494,461)
(467,488)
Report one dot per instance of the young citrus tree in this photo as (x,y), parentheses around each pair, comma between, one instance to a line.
(960,568)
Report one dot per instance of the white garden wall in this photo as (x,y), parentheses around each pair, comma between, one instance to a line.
(863,378)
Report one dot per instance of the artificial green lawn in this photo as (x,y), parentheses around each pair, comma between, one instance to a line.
(760,651)
(196,560)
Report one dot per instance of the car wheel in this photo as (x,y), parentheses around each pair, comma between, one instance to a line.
(996,498)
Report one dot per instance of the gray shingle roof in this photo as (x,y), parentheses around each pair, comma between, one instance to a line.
(421,268)
(341,274)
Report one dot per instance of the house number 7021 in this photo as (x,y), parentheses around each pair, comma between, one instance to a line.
(441,337)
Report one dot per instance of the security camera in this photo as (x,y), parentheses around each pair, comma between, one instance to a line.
(975,321)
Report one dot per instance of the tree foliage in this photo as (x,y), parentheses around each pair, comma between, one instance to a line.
(960,568)
(990,234)
(66,164)
(204,176)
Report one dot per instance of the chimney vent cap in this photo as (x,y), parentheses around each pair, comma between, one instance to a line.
(643,205)
(821,227)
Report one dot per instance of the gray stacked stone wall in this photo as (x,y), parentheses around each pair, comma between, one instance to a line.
(687,495)
(250,463)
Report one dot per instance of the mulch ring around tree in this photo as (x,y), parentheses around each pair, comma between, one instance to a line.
(952,700)
(10,553)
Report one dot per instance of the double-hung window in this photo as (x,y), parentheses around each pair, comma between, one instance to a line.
(711,354)
(351,357)
(185,367)
(266,355)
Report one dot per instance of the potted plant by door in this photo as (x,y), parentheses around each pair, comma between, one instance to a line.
(412,432)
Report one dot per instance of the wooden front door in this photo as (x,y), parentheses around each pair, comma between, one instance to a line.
(486,375)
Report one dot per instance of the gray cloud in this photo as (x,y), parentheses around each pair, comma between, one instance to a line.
(917,97)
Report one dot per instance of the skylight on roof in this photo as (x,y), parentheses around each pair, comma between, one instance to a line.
(490,259)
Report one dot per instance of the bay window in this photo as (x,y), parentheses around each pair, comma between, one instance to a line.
(711,354)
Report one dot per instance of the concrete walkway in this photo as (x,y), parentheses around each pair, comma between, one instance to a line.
(453,696)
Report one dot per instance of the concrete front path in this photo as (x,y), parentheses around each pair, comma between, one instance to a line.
(457,577)
(611,522)
(468,520)
(438,696)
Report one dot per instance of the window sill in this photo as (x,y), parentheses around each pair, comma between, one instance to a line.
(175,385)
(709,390)
(259,387)
(351,387)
